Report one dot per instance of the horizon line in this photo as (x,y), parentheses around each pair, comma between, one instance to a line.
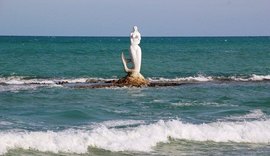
(128,36)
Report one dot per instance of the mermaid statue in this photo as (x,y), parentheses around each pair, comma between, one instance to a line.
(134,77)
(135,53)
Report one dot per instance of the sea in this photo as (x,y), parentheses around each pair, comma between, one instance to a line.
(222,107)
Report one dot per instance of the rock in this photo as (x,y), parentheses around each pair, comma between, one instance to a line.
(133,79)
(117,83)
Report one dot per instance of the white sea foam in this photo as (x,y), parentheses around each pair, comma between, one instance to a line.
(11,80)
(254,114)
(199,78)
(235,78)
(141,138)
(253,77)
(196,103)
(260,77)
(5,123)
(17,83)
(202,78)
(19,80)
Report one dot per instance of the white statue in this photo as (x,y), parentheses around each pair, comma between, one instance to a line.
(135,53)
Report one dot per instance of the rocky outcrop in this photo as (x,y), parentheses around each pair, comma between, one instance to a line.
(133,79)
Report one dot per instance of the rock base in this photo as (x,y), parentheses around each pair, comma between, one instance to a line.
(134,80)
(124,82)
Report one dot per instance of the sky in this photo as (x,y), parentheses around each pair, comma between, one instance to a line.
(117,17)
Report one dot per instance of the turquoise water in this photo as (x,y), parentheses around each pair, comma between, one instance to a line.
(223,109)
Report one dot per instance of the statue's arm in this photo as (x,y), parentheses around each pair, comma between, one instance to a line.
(139,36)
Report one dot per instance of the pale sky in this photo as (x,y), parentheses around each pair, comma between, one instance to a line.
(153,17)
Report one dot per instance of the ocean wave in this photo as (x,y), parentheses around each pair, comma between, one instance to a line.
(19,80)
(196,103)
(199,78)
(18,83)
(139,138)
(259,77)
(202,78)
(253,114)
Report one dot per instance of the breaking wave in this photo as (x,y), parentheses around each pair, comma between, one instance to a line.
(20,80)
(202,78)
(17,83)
(140,138)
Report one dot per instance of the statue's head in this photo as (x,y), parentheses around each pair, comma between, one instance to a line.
(135,28)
